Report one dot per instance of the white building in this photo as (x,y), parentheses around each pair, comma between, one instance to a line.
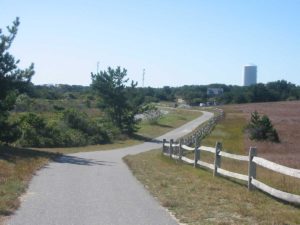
(250,74)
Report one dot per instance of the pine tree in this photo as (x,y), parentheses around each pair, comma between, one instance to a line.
(12,82)
(261,128)
(120,103)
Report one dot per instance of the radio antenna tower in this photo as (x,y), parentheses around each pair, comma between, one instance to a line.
(98,64)
(144,71)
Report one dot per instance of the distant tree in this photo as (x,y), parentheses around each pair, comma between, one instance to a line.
(118,101)
(261,128)
(12,81)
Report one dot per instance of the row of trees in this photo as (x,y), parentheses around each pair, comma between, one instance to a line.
(280,90)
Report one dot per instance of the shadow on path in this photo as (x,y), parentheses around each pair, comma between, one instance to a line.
(82,161)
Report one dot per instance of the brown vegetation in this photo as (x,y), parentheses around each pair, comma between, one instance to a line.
(285,117)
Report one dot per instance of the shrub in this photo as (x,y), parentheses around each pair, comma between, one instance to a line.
(261,128)
(152,114)
(73,128)
(23,103)
(80,121)
(11,134)
(34,131)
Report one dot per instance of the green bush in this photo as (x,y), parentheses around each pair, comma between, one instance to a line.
(71,128)
(34,131)
(261,128)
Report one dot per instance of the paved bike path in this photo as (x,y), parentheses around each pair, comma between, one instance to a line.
(95,188)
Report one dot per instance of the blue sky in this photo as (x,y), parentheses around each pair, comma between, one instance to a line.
(177,42)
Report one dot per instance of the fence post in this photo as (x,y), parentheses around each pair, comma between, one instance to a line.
(217,158)
(252,168)
(163,147)
(180,150)
(196,155)
(171,148)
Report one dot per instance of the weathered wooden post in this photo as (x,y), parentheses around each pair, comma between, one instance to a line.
(171,148)
(217,158)
(163,147)
(251,168)
(196,155)
(180,150)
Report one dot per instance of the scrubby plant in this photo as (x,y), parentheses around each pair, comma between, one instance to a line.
(94,131)
(34,131)
(23,103)
(260,128)
(74,128)
(152,114)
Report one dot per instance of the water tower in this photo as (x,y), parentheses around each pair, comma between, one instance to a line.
(250,74)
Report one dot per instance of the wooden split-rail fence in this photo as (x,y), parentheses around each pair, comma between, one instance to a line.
(175,150)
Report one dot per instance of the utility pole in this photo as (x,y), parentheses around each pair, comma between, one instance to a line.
(98,63)
(144,71)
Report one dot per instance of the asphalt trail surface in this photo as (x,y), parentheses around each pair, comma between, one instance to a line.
(95,188)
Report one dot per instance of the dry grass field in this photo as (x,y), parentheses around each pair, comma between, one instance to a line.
(285,117)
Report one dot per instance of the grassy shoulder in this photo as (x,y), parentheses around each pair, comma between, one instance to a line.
(196,197)
(175,118)
(229,132)
(16,168)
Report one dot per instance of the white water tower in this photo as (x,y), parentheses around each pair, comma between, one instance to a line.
(250,74)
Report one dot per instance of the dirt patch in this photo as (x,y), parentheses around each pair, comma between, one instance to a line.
(285,117)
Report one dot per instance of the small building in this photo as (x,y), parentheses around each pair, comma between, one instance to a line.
(214,91)
(181,101)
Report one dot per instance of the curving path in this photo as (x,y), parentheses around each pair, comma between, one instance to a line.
(95,188)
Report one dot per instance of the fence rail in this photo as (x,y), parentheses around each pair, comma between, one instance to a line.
(176,151)
(276,167)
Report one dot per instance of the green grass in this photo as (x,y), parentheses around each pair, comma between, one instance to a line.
(229,132)
(196,197)
(175,118)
